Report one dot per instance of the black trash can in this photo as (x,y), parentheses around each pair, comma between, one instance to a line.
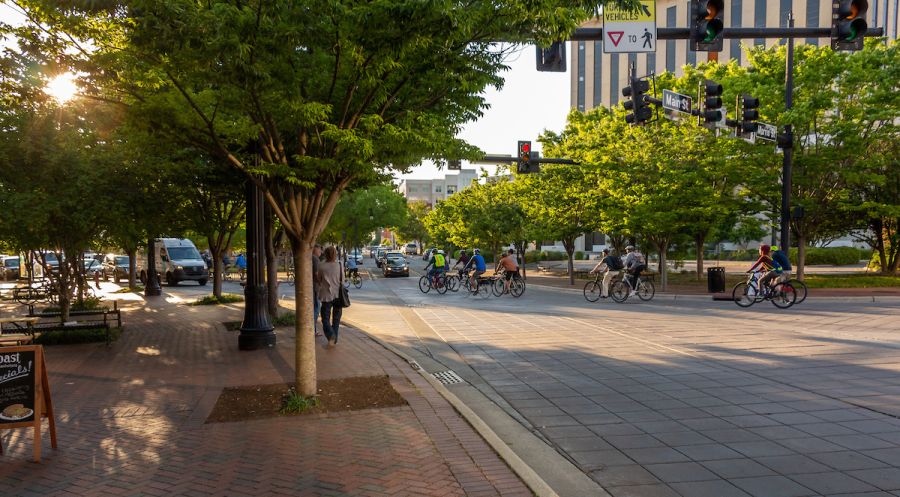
(715,279)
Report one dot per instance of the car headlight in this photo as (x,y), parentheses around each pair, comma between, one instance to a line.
(179,268)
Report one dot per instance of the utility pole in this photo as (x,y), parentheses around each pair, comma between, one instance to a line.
(787,144)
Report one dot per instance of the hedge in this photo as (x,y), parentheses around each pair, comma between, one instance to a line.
(828,256)
(64,337)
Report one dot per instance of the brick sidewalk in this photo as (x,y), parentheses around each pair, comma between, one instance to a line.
(130,421)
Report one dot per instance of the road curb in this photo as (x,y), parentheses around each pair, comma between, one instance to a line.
(534,482)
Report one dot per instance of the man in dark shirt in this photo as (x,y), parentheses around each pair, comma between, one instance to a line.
(612,265)
(781,258)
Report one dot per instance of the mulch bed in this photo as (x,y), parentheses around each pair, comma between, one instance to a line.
(335,395)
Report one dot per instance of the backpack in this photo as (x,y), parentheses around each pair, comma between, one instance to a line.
(615,263)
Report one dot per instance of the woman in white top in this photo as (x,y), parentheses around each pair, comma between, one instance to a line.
(329,286)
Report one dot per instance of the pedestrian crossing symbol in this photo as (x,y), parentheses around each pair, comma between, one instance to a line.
(630,31)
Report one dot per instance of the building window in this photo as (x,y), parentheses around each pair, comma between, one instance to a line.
(614,79)
(437,189)
(736,6)
(451,189)
(581,76)
(784,10)
(670,44)
(651,63)
(598,73)
(812,20)
(759,19)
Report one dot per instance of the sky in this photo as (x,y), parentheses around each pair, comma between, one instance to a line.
(529,102)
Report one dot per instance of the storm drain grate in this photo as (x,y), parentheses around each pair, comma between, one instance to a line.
(447,377)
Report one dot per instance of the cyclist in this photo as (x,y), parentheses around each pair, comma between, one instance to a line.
(510,267)
(634,264)
(612,265)
(352,269)
(782,259)
(436,265)
(464,259)
(765,263)
(477,262)
(241,263)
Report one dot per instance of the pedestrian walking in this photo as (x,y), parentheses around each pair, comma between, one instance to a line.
(330,272)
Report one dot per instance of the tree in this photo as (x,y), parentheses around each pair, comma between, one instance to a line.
(334,94)
(361,212)
(412,228)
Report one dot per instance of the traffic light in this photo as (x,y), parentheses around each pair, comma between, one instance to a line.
(712,104)
(749,115)
(640,110)
(552,59)
(524,157)
(848,24)
(707,25)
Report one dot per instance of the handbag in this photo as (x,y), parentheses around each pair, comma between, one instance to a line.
(345,294)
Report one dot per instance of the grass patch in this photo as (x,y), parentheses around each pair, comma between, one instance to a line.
(88,304)
(138,288)
(226,298)
(81,335)
(288,318)
(850,281)
(294,403)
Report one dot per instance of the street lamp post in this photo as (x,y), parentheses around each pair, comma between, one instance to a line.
(256,330)
(152,287)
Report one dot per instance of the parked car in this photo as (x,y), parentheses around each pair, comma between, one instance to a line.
(427,255)
(115,265)
(92,266)
(379,253)
(410,249)
(395,265)
(10,268)
(356,255)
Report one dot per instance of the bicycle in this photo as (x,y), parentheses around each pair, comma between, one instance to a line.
(290,275)
(352,277)
(593,289)
(747,293)
(438,281)
(799,288)
(622,289)
(30,295)
(516,285)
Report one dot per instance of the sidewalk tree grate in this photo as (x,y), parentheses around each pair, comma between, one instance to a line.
(448,377)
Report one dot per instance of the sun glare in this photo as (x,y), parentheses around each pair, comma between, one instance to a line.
(62,88)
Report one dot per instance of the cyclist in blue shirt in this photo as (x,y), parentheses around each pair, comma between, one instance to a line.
(477,262)
(781,258)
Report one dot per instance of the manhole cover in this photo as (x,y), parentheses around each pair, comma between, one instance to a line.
(447,377)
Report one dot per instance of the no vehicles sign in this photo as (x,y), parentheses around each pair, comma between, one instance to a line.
(626,31)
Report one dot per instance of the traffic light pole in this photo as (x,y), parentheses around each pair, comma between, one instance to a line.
(592,34)
(787,144)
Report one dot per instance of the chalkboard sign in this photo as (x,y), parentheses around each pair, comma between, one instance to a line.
(18,383)
(25,393)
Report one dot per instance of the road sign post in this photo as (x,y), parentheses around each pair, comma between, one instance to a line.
(627,31)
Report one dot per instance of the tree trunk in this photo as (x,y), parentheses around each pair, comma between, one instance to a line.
(801,256)
(520,248)
(216,255)
(305,348)
(271,262)
(132,268)
(700,240)
(663,247)
(570,252)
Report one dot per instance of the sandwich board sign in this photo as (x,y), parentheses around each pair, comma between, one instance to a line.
(25,393)
(626,31)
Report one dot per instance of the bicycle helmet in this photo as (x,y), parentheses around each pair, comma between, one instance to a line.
(441,252)
(774,248)
(629,248)
(477,251)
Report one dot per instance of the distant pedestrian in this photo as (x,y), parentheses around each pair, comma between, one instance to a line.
(316,255)
(241,263)
(330,294)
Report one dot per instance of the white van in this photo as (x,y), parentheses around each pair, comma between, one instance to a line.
(177,260)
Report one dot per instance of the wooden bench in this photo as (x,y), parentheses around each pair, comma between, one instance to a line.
(22,333)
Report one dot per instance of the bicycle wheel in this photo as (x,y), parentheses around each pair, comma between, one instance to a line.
(441,284)
(453,282)
(743,295)
(424,284)
(357,281)
(783,295)
(498,287)
(619,291)
(646,291)
(517,287)
(799,289)
(347,283)
(484,289)
(592,291)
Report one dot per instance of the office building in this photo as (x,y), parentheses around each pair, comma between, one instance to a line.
(432,191)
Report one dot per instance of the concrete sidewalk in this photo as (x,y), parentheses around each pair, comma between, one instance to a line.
(131,421)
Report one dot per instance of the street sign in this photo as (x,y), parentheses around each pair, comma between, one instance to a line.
(676,102)
(766,131)
(628,31)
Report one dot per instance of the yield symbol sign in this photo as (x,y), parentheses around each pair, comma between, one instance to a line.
(616,37)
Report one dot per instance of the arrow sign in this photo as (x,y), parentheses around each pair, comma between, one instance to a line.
(645,9)
(615,37)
